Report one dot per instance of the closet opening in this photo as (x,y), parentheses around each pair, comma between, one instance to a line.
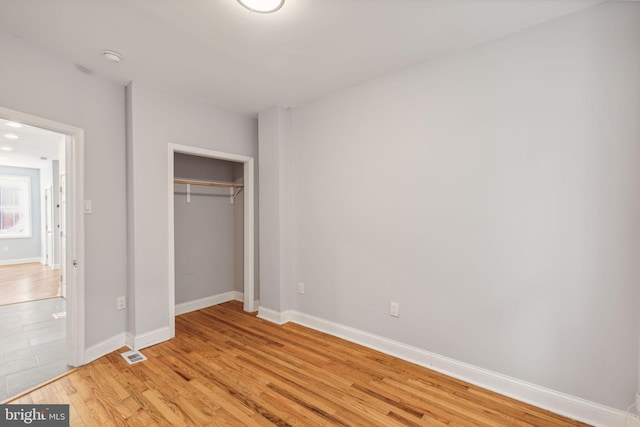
(211,203)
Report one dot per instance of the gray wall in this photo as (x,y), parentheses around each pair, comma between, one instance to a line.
(48,86)
(495,194)
(206,243)
(25,247)
(276,258)
(158,118)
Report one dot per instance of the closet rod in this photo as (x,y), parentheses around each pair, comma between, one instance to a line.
(208,183)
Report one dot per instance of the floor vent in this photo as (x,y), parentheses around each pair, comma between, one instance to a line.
(133,357)
(60,315)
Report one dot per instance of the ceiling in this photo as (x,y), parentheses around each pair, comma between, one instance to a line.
(33,146)
(219,52)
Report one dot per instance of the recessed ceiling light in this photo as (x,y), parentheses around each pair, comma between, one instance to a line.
(111,55)
(11,136)
(5,148)
(14,124)
(262,6)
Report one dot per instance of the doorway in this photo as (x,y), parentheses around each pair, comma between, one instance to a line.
(248,221)
(69,257)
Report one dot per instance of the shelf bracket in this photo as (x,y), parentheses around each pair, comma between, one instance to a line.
(233,194)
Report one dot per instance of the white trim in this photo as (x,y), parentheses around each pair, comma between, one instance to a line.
(385,345)
(199,304)
(20,261)
(105,347)
(277,317)
(150,338)
(74,151)
(561,403)
(554,401)
(134,342)
(171,261)
(249,249)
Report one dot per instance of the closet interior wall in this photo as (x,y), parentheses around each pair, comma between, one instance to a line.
(209,242)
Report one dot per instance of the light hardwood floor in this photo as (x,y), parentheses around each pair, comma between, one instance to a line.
(227,367)
(27,282)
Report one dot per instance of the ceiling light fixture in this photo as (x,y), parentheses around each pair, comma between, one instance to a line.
(262,6)
(14,124)
(111,55)
(11,136)
(5,148)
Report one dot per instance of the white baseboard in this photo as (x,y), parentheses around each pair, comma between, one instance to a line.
(134,342)
(105,347)
(560,403)
(199,304)
(273,316)
(19,261)
(147,339)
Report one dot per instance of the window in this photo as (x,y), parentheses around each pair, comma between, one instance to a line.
(15,206)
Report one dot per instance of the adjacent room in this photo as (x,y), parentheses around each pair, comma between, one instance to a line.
(305,212)
(32,291)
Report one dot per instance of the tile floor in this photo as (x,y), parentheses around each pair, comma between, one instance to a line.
(32,345)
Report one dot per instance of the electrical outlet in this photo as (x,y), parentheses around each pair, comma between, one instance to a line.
(394,309)
(121,303)
(300,288)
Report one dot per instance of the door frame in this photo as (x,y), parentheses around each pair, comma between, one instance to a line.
(49,228)
(249,249)
(74,160)
(62,196)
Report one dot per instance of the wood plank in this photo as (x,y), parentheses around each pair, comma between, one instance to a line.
(208,183)
(28,282)
(227,367)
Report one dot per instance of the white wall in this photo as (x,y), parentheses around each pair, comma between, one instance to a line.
(157,119)
(495,194)
(45,85)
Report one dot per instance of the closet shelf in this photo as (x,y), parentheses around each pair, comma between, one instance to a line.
(208,183)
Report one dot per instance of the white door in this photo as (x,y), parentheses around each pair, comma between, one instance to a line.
(48,226)
(63,236)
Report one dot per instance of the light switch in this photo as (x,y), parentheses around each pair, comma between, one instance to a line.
(88,206)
